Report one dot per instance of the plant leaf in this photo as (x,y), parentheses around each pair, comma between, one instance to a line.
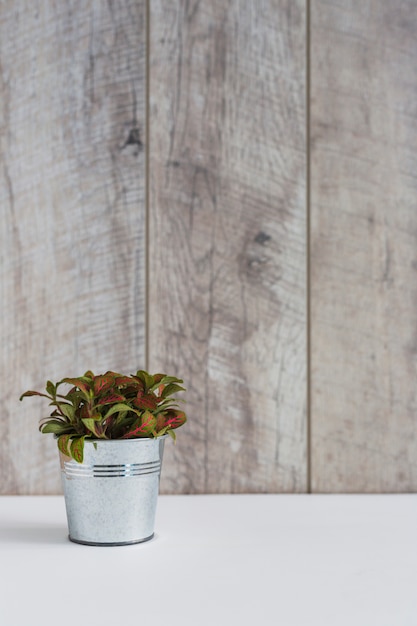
(103,383)
(168,404)
(51,388)
(67,409)
(170,389)
(77,449)
(143,427)
(172,434)
(146,378)
(63,444)
(148,423)
(174,418)
(166,380)
(93,426)
(120,417)
(124,380)
(149,401)
(111,398)
(120,407)
(57,427)
(80,383)
(33,393)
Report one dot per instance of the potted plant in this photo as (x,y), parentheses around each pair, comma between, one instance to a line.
(110,431)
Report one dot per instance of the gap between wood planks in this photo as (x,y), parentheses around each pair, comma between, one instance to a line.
(308,250)
(147,158)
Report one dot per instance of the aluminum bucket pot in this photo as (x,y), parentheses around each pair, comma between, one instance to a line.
(111,497)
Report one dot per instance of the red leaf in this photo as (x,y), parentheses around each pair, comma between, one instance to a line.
(102,383)
(123,380)
(146,402)
(77,382)
(111,398)
(33,393)
(135,432)
(144,428)
(160,422)
(132,390)
(175,419)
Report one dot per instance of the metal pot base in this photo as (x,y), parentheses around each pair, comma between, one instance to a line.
(121,543)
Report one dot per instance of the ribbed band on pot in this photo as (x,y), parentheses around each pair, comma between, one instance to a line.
(72,469)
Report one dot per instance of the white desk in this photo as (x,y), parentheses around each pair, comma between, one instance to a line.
(217,560)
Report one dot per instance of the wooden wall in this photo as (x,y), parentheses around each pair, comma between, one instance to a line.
(364,245)
(224,191)
(72,188)
(227,238)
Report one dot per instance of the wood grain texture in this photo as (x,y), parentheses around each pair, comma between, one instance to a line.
(72,273)
(364,246)
(227,239)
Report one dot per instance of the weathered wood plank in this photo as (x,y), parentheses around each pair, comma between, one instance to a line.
(72,274)
(364,243)
(227,238)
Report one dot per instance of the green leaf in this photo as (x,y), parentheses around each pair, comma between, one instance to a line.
(146,378)
(168,404)
(172,434)
(57,427)
(171,379)
(67,409)
(120,407)
(51,388)
(77,449)
(63,444)
(158,381)
(93,426)
(74,397)
(120,418)
(170,389)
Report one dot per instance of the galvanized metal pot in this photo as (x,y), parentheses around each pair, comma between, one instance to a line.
(111,497)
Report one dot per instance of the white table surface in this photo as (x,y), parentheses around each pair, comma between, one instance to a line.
(281,560)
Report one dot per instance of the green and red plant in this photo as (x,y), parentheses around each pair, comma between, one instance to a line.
(111,406)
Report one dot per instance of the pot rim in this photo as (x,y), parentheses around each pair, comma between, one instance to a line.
(97,439)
